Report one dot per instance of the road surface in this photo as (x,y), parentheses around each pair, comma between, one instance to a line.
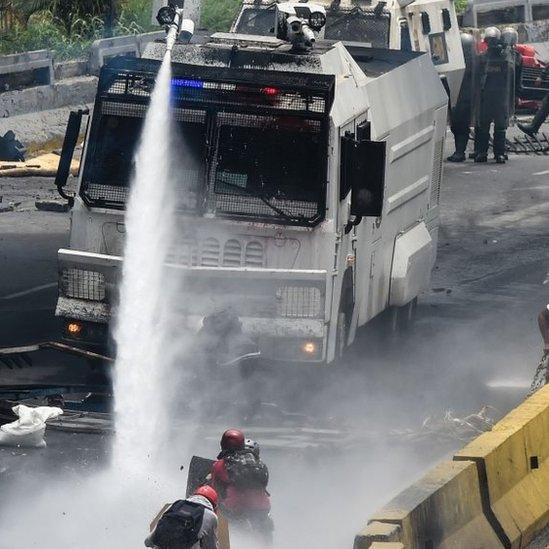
(358,438)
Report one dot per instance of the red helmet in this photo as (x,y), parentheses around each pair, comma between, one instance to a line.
(209,493)
(232,439)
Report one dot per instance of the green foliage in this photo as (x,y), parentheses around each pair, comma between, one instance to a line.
(461,5)
(134,17)
(71,37)
(217,15)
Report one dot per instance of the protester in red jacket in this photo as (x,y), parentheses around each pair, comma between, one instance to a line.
(241,478)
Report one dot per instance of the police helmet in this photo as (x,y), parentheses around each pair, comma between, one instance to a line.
(492,36)
(468,45)
(509,36)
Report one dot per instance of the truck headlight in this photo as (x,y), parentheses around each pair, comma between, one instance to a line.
(81,284)
(299,302)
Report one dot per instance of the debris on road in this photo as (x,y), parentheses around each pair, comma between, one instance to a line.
(52,205)
(452,427)
(11,148)
(44,165)
(28,431)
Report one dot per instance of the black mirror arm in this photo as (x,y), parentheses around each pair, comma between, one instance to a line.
(69,144)
(354,220)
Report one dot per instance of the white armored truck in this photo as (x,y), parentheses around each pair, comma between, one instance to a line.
(410,25)
(309,199)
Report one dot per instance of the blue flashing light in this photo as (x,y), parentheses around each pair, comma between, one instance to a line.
(182,83)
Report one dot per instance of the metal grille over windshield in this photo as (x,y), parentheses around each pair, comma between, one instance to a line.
(252,144)
(359,25)
(267,166)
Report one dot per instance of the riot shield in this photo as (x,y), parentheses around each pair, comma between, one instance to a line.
(199,469)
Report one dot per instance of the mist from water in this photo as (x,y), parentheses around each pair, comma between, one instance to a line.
(141,363)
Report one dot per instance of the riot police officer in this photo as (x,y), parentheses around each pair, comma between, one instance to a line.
(494,104)
(460,116)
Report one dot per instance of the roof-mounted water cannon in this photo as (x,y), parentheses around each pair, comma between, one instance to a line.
(299,23)
(171,18)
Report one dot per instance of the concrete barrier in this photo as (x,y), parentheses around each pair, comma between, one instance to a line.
(443,509)
(31,68)
(73,91)
(513,461)
(107,48)
(495,493)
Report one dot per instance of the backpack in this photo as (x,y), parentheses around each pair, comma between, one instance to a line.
(245,471)
(179,526)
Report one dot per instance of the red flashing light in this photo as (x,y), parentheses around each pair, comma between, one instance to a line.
(270,91)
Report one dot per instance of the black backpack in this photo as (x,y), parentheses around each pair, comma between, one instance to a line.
(179,526)
(245,471)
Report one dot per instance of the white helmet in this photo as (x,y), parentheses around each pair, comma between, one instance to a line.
(252,446)
(509,36)
(492,36)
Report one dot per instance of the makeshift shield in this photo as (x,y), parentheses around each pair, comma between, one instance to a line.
(199,469)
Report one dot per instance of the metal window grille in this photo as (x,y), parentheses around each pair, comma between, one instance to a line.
(228,190)
(107,193)
(215,93)
(437,172)
(360,26)
(82,284)
(299,302)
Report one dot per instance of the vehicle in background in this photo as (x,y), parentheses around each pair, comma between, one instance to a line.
(421,25)
(309,202)
(486,13)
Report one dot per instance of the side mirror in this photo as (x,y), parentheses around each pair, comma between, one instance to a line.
(67,152)
(363,172)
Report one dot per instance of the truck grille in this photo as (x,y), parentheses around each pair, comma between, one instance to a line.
(212,253)
(298,302)
(82,284)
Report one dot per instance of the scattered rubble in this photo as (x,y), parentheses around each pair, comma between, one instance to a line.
(451,427)
(61,206)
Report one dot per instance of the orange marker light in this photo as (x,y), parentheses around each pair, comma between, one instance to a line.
(74,328)
(309,348)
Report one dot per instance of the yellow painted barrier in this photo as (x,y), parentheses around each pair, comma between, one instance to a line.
(513,462)
(495,493)
(443,510)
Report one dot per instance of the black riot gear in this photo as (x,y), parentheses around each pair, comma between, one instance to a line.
(494,104)
(460,116)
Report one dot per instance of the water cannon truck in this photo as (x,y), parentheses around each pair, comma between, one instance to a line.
(409,25)
(309,202)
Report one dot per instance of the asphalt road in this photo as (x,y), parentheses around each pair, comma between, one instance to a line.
(475,344)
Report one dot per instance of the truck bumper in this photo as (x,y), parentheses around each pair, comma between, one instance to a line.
(282,310)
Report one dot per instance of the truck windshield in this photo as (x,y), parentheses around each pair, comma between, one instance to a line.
(267,166)
(257,21)
(359,26)
(111,155)
(255,166)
